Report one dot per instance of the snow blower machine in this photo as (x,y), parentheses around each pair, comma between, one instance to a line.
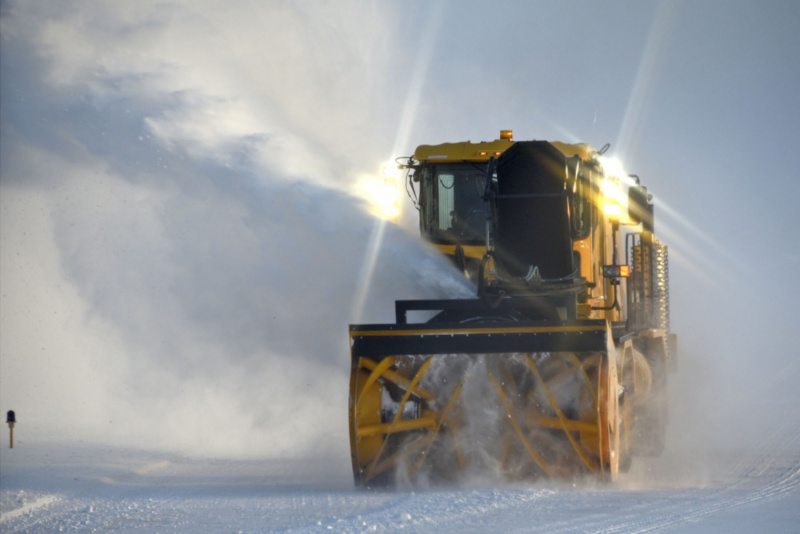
(558,366)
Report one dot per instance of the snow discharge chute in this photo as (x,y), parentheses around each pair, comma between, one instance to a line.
(558,367)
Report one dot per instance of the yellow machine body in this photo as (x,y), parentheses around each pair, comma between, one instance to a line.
(558,367)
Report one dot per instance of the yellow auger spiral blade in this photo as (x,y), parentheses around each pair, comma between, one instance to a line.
(511,415)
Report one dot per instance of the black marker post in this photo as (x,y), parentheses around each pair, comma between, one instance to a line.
(11,418)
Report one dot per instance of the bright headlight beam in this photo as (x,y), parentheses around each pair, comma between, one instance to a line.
(426,44)
(390,170)
(383,196)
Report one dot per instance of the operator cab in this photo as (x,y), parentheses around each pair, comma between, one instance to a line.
(453,211)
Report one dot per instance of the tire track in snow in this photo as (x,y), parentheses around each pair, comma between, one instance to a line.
(29,508)
(759,475)
(433,511)
(691,511)
(677,509)
(562,512)
(48,512)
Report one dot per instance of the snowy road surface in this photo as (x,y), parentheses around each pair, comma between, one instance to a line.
(89,488)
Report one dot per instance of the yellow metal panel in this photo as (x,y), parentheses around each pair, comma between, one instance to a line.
(482,151)
(466,151)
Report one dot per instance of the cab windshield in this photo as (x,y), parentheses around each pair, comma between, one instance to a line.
(451,204)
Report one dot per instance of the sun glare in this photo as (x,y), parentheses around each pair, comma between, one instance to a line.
(382,193)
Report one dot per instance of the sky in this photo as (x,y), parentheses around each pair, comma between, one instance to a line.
(185,232)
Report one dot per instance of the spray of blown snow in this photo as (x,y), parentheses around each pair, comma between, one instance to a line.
(495,418)
(181,242)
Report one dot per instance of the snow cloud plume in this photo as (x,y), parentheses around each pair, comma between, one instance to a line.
(180,245)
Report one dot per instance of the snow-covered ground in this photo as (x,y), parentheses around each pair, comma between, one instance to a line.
(75,487)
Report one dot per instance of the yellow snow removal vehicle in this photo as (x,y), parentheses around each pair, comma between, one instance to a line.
(558,366)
